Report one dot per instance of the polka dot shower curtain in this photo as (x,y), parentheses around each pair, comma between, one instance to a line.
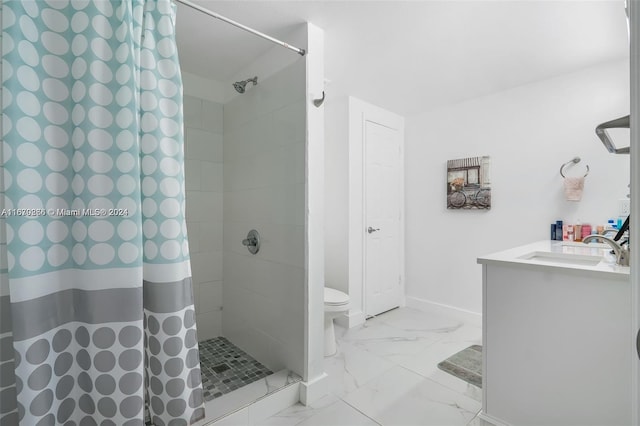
(96,304)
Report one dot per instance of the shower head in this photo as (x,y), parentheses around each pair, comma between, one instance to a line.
(240,86)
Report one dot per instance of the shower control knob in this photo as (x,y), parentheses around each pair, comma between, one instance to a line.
(372,230)
(252,242)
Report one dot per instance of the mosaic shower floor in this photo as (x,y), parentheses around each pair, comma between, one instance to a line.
(225,367)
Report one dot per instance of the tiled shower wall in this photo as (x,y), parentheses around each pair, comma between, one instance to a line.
(203,169)
(264,189)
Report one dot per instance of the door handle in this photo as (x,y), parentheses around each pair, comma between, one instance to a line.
(372,230)
(638,343)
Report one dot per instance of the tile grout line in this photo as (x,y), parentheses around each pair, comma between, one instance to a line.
(317,411)
(359,411)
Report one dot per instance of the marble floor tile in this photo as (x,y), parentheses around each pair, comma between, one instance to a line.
(299,413)
(353,367)
(402,397)
(329,411)
(425,362)
(477,421)
(470,334)
(386,372)
(410,319)
(339,414)
(383,340)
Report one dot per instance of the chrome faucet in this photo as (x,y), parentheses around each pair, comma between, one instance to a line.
(611,233)
(621,250)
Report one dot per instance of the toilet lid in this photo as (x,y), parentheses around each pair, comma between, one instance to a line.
(335,297)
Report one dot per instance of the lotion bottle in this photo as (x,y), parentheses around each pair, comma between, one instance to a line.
(570,233)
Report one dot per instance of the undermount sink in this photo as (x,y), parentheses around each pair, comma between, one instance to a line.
(580,244)
(562,258)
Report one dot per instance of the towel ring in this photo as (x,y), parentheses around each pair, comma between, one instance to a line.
(576,160)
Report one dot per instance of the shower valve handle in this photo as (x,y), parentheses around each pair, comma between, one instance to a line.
(252,242)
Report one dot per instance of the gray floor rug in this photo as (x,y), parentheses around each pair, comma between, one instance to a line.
(465,365)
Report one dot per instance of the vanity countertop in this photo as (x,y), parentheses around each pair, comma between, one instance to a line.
(565,255)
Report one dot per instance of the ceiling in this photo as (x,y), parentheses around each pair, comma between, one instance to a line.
(410,56)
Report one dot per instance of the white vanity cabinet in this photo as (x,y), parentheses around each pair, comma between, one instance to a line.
(557,339)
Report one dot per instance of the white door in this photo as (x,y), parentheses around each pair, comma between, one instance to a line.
(382,214)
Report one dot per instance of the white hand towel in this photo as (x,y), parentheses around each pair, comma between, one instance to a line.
(573,188)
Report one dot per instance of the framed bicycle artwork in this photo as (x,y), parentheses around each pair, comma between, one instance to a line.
(469,183)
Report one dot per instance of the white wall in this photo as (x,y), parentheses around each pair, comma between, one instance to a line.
(315,385)
(337,193)
(529,132)
(264,189)
(271,62)
(344,193)
(203,181)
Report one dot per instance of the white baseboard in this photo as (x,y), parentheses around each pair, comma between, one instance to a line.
(315,389)
(351,319)
(452,311)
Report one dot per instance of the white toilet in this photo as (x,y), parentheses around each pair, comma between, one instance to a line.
(336,303)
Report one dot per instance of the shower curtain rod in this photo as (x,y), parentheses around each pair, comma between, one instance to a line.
(299,51)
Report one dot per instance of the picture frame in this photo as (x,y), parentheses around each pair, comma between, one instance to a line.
(469,183)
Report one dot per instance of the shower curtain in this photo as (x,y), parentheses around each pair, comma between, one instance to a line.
(96,304)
